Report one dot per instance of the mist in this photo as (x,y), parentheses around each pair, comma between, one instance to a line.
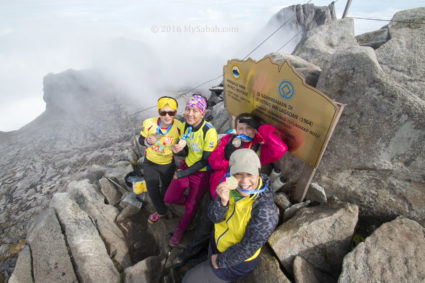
(145,49)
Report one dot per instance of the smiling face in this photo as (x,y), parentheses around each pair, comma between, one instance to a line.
(193,116)
(247,181)
(166,119)
(244,129)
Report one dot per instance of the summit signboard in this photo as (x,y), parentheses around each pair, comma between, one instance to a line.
(303,116)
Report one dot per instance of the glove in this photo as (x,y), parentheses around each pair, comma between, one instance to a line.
(251,122)
(228,150)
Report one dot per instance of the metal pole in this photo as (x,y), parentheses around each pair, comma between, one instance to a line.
(347,6)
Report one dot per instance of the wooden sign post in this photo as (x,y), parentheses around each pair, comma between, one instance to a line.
(303,116)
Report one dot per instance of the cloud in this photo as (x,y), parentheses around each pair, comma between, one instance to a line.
(40,37)
(6,31)
(18,113)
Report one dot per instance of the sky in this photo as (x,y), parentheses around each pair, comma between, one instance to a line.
(140,44)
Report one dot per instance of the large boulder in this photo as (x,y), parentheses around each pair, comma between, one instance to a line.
(403,55)
(92,202)
(325,40)
(376,156)
(321,235)
(50,259)
(23,268)
(395,252)
(88,250)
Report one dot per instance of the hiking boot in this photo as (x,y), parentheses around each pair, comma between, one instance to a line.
(177,236)
(154,217)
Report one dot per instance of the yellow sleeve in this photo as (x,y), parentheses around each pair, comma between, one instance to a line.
(181,127)
(146,125)
(210,140)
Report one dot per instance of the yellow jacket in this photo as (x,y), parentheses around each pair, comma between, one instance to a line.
(242,227)
(231,230)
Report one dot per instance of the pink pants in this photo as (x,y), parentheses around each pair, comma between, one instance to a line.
(198,183)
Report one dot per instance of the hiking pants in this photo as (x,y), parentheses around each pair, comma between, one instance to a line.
(157,178)
(198,183)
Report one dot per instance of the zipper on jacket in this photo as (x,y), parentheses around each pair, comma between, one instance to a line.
(233,212)
(227,221)
(218,240)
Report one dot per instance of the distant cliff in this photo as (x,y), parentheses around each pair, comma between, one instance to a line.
(84,119)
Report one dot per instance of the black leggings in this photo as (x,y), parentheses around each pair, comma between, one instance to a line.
(202,234)
(157,178)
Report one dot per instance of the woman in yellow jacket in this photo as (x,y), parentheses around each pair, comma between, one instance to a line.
(159,134)
(244,215)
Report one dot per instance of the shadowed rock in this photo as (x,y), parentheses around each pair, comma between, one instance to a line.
(304,272)
(374,39)
(267,270)
(147,270)
(112,195)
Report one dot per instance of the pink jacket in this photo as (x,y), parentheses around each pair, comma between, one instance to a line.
(272,149)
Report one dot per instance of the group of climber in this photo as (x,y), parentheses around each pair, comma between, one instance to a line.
(239,214)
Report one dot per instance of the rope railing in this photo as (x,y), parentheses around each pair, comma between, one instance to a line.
(391,21)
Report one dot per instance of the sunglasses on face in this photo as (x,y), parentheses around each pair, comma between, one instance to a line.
(170,113)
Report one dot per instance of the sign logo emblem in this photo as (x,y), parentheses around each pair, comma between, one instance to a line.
(286,90)
(236,72)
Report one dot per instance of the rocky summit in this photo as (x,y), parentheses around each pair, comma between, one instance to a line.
(63,196)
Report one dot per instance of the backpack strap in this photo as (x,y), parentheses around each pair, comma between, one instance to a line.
(257,148)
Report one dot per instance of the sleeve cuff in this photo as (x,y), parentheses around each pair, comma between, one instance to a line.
(218,261)
(179,174)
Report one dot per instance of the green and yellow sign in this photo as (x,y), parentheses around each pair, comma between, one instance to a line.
(303,116)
